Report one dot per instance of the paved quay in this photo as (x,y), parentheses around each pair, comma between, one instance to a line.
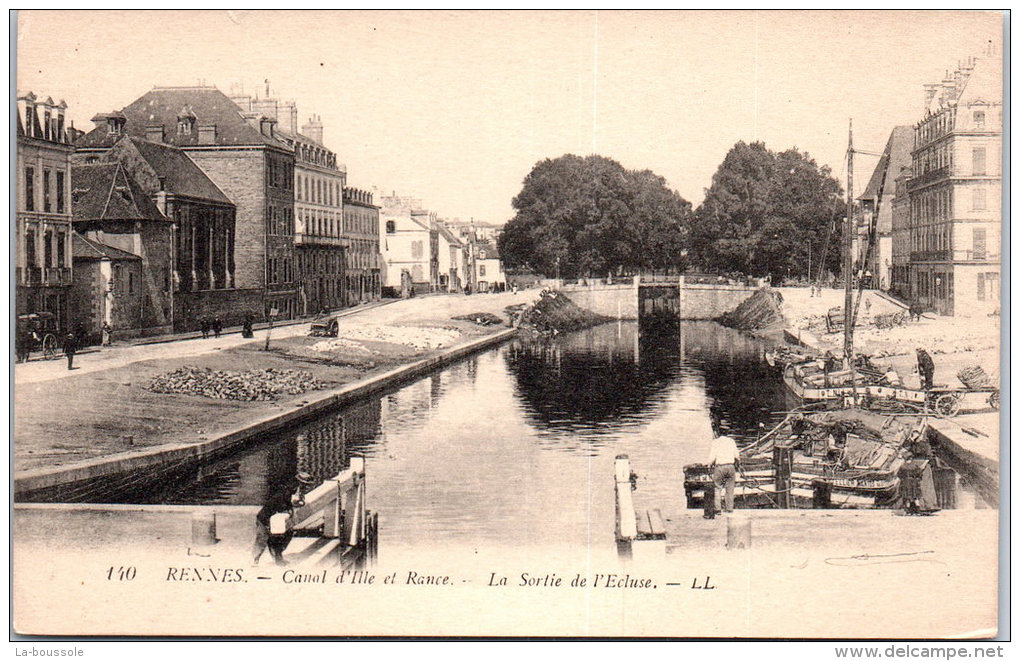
(110,421)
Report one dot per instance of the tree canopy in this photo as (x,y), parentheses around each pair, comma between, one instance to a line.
(584,216)
(767,213)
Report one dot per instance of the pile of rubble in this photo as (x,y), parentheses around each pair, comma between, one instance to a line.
(554,313)
(246,386)
(343,345)
(481,318)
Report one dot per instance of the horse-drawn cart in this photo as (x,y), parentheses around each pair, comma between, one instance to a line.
(327,326)
(979,390)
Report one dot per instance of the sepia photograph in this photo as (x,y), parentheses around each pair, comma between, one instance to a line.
(582,324)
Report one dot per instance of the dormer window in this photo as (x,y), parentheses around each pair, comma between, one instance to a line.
(186,121)
(116,126)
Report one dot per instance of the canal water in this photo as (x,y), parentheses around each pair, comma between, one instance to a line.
(516,446)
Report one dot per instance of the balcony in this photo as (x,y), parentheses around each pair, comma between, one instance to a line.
(943,172)
(930,256)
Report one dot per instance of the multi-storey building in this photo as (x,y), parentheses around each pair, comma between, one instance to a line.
(242,154)
(43,267)
(878,196)
(319,180)
(361,229)
(451,259)
(955,215)
(900,272)
(409,244)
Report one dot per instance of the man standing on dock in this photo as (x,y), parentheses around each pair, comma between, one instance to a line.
(724,459)
(280,501)
(925,368)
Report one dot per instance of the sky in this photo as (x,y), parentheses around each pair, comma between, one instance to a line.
(455,108)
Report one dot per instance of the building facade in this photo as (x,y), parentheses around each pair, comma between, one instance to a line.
(361,229)
(44,262)
(242,154)
(200,260)
(409,245)
(900,255)
(123,274)
(450,260)
(955,191)
(878,198)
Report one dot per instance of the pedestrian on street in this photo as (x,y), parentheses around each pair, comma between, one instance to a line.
(925,368)
(107,334)
(282,501)
(203,324)
(246,328)
(724,458)
(70,347)
(217,326)
(916,310)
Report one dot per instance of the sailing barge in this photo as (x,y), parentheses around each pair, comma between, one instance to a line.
(838,458)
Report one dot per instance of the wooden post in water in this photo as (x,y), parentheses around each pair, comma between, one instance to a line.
(781,465)
(626,522)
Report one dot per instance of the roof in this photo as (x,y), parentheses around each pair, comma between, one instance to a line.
(895,157)
(487,250)
(181,175)
(984,84)
(84,248)
(162,106)
(445,232)
(105,191)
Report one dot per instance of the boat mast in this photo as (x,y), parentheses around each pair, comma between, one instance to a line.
(848,324)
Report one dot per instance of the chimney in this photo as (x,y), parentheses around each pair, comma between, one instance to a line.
(266,107)
(930,91)
(243,102)
(207,134)
(266,126)
(154,133)
(313,129)
(288,117)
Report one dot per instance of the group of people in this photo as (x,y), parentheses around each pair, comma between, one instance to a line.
(207,325)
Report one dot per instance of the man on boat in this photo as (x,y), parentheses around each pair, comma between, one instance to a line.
(925,368)
(724,459)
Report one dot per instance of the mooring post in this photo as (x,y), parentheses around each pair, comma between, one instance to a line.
(203,528)
(782,467)
(626,522)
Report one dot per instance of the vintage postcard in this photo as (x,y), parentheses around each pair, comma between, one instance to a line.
(507,324)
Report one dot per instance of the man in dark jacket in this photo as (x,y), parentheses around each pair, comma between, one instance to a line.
(70,347)
(280,501)
(925,368)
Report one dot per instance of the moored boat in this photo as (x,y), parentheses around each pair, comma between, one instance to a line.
(848,457)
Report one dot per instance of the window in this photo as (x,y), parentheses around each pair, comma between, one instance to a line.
(978,158)
(31,258)
(391,227)
(979,243)
(60,192)
(481,270)
(979,119)
(981,286)
(978,202)
(131,282)
(48,247)
(46,190)
(30,189)
(61,252)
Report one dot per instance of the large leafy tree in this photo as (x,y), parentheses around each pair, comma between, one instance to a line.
(591,216)
(768,213)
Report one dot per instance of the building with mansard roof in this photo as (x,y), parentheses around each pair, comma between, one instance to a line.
(955,188)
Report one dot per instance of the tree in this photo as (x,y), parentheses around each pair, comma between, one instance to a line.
(767,213)
(582,216)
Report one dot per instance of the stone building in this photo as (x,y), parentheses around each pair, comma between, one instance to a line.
(42,227)
(122,255)
(242,154)
(410,245)
(201,263)
(319,180)
(900,273)
(451,260)
(361,229)
(879,195)
(955,188)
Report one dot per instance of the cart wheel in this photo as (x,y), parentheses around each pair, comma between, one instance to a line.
(948,404)
(49,346)
(993,401)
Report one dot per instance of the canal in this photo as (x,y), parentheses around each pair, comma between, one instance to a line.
(514,447)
